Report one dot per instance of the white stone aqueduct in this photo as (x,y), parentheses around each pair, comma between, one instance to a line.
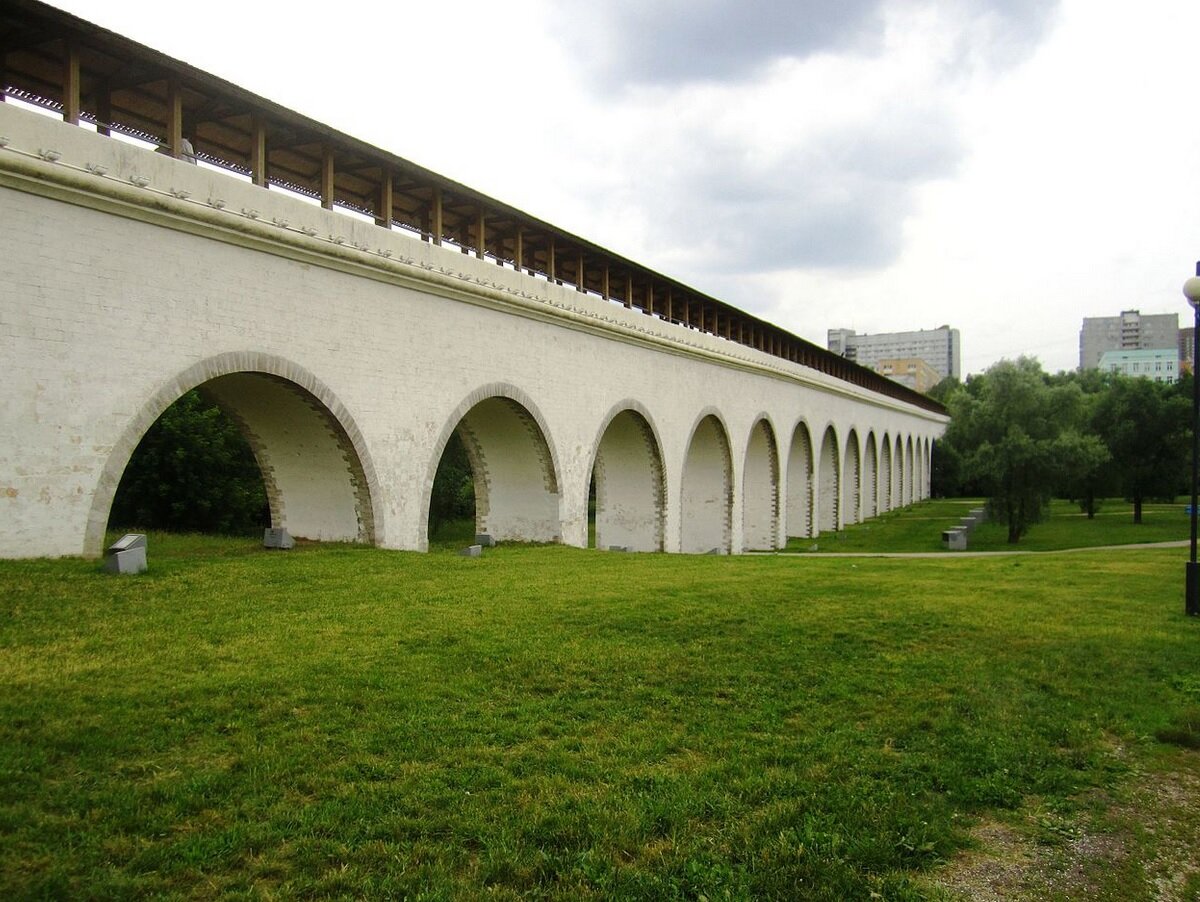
(349,354)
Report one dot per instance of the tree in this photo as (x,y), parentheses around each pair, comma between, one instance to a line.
(1018,437)
(1146,426)
(192,472)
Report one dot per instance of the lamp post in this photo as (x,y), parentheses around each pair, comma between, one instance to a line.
(1191,291)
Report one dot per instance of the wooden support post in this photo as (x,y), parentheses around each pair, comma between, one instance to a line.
(550,266)
(519,249)
(327,176)
(481,233)
(258,151)
(383,213)
(435,214)
(687,310)
(629,290)
(604,282)
(580,275)
(70,83)
(174,119)
(650,298)
(741,331)
(103,109)
(670,311)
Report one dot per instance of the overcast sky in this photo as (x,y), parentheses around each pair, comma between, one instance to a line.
(1003,166)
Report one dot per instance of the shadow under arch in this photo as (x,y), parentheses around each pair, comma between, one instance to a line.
(319,477)
(800,482)
(870,478)
(513,461)
(852,481)
(706,495)
(760,487)
(627,466)
(885,475)
(828,482)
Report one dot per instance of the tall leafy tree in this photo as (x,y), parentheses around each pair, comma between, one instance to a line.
(192,472)
(1146,426)
(1018,436)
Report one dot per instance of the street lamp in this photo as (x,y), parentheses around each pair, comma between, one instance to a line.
(1191,291)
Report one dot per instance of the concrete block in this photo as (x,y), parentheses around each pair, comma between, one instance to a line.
(968,523)
(127,555)
(484,540)
(472,551)
(955,539)
(278,538)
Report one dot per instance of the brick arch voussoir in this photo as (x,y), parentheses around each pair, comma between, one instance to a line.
(195,376)
(505,390)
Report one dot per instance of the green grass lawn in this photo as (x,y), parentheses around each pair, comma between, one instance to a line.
(341,721)
(919,529)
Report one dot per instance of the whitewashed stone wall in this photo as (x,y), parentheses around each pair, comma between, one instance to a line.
(127,278)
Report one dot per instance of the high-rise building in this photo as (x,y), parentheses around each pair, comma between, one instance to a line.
(1131,331)
(1187,349)
(941,348)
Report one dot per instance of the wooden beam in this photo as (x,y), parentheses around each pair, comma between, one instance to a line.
(435,213)
(103,108)
(650,298)
(70,82)
(383,215)
(629,290)
(327,176)
(481,233)
(604,282)
(258,151)
(580,276)
(670,306)
(550,273)
(174,118)
(519,249)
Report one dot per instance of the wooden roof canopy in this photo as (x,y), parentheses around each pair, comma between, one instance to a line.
(89,74)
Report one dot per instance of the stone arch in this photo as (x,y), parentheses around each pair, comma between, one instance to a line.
(885,475)
(910,471)
(927,470)
(898,482)
(852,481)
(828,482)
(870,479)
(706,499)
(319,477)
(630,487)
(800,483)
(514,465)
(760,488)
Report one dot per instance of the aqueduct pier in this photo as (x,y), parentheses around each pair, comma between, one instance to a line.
(349,350)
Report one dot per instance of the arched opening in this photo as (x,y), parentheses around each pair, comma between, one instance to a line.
(706,498)
(512,472)
(628,483)
(870,482)
(910,472)
(760,490)
(927,470)
(827,483)
(312,480)
(800,484)
(852,482)
(885,474)
(452,497)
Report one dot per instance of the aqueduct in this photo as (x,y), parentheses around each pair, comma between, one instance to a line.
(349,348)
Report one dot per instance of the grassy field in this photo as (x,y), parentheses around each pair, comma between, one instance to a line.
(552,723)
(919,529)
